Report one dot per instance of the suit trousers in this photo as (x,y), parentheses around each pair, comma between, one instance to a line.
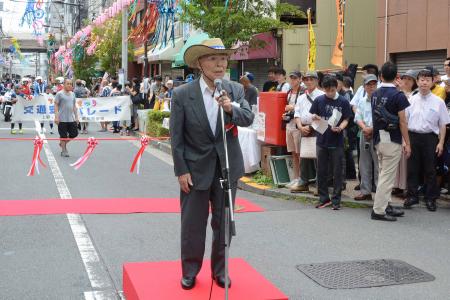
(368,165)
(388,158)
(194,218)
(423,157)
(325,158)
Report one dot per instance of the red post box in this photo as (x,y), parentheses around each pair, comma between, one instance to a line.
(272,106)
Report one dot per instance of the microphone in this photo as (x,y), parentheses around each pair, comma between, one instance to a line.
(218,85)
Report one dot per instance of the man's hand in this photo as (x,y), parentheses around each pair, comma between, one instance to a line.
(315,117)
(56,120)
(336,129)
(407,150)
(439,149)
(367,131)
(306,130)
(289,107)
(225,102)
(185,182)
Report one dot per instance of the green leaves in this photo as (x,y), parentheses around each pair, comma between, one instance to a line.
(240,22)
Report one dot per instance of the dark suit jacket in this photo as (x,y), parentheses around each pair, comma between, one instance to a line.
(195,147)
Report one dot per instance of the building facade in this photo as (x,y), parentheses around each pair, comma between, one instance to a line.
(413,33)
(359,35)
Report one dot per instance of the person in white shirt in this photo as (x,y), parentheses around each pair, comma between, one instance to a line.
(283,86)
(446,79)
(427,118)
(292,133)
(303,120)
(368,160)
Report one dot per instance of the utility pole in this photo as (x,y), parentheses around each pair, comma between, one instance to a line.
(145,41)
(125,46)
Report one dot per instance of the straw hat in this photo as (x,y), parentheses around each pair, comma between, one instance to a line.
(206,47)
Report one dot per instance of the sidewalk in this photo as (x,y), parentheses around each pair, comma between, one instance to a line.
(246,184)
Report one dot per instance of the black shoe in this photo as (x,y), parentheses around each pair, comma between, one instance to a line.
(187,283)
(336,207)
(220,281)
(357,188)
(394,211)
(397,192)
(386,217)
(431,205)
(410,202)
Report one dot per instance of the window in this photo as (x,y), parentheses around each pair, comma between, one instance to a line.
(303,5)
(1,6)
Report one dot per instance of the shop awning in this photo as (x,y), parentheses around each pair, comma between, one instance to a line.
(165,53)
(194,39)
(268,51)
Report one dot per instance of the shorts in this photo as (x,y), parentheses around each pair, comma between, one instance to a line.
(68,130)
(293,140)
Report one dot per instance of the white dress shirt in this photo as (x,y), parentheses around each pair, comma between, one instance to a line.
(303,106)
(211,105)
(426,114)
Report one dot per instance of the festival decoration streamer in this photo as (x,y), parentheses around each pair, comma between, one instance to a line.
(38,144)
(338,53)
(137,159)
(92,143)
(312,50)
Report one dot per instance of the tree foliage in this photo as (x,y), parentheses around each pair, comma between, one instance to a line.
(109,49)
(85,68)
(240,21)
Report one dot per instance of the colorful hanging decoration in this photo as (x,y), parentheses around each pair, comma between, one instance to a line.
(165,27)
(312,50)
(143,31)
(15,48)
(33,17)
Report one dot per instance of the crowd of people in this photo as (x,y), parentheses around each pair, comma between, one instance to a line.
(396,123)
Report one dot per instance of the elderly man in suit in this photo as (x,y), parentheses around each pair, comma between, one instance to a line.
(199,156)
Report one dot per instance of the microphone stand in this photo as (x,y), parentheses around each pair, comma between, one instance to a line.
(230,229)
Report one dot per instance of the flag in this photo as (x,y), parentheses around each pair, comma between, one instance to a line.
(311,44)
(338,52)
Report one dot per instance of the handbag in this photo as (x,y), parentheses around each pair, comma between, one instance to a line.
(308,147)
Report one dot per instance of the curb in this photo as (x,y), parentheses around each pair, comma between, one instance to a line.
(245,185)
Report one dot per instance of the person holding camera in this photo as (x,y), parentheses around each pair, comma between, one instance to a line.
(389,127)
(368,160)
(292,133)
(427,119)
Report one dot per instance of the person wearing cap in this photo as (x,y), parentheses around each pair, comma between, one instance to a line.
(390,135)
(436,89)
(409,87)
(292,133)
(283,85)
(303,120)
(26,87)
(427,119)
(368,160)
(39,86)
(360,92)
(251,92)
(199,157)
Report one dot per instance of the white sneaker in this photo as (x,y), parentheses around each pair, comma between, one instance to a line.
(42,131)
(292,183)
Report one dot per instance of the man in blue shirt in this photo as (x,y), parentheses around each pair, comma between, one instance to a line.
(390,131)
(330,144)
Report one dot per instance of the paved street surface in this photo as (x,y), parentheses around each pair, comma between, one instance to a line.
(77,257)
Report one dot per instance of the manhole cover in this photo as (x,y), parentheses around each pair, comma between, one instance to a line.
(364,273)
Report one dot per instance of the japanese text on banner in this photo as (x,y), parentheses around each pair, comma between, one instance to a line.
(105,109)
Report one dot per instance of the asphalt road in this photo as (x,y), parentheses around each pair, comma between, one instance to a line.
(47,257)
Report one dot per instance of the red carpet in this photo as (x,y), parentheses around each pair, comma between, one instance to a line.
(103,206)
(161,280)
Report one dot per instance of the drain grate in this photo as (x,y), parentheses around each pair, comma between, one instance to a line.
(364,273)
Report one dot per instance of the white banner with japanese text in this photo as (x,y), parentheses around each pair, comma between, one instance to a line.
(41,108)
(104,109)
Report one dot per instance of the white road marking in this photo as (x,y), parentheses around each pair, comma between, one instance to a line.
(95,268)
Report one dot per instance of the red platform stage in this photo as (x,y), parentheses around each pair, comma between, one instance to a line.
(161,280)
(103,206)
